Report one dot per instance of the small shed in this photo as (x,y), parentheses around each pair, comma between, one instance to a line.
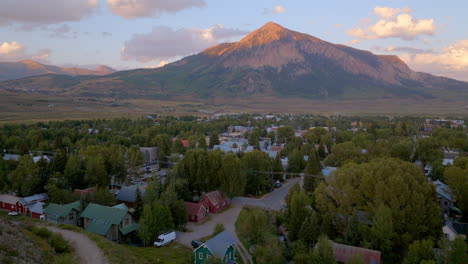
(214,201)
(221,246)
(197,212)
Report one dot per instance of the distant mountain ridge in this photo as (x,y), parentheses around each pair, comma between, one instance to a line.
(27,68)
(270,61)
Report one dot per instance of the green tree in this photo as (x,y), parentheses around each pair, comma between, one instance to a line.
(24,179)
(353,234)
(96,172)
(164,144)
(138,205)
(232,180)
(310,229)
(103,196)
(285,134)
(152,192)
(59,195)
(253,164)
(458,252)
(270,251)
(253,224)
(300,208)
(177,208)
(74,173)
(419,251)
(214,140)
(321,151)
(296,161)
(457,180)
(382,231)
(155,220)
(414,210)
(202,142)
(323,252)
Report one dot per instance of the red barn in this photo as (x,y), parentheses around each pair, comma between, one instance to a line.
(344,253)
(196,212)
(37,210)
(214,201)
(23,205)
(8,202)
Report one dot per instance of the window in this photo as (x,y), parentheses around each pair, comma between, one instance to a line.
(200,255)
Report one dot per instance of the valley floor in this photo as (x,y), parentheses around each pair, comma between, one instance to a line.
(16,107)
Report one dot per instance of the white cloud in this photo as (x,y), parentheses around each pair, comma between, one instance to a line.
(31,13)
(15,51)
(146,8)
(388,12)
(279,9)
(165,43)
(451,61)
(394,23)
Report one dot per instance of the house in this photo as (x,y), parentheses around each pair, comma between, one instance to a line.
(128,195)
(114,223)
(214,201)
(185,142)
(197,212)
(327,171)
(8,202)
(37,210)
(444,196)
(222,246)
(84,192)
(344,253)
(453,229)
(68,214)
(150,155)
(23,205)
(36,159)
(13,157)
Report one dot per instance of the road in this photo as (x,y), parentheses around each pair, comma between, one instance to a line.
(86,249)
(271,201)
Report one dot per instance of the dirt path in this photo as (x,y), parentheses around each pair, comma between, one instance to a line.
(87,251)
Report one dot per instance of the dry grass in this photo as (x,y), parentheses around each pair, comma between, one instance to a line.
(15,107)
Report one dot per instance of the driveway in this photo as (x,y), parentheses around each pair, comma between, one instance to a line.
(86,250)
(271,201)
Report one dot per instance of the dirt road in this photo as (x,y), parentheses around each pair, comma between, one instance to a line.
(86,249)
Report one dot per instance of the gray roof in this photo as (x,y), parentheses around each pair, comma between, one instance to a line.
(11,157)
(128,194)
(443,190)
(34,198)
(220,243)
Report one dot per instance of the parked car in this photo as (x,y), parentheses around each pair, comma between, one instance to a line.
(148,170)
(165,239)
(13,213)
(196,243)
(277,184)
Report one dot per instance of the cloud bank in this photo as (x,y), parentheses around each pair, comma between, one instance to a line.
(145,8)
(30,13)
(15,51)
(165,43)
(394,23)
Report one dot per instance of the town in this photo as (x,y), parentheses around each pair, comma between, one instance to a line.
(239,188)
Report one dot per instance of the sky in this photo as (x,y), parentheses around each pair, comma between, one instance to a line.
(429,35)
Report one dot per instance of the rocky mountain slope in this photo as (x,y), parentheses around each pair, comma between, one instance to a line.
(272,61)
(27,68)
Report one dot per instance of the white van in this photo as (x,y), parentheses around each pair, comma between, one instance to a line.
(165,239)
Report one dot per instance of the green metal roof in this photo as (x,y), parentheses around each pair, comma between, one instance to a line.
(129,228)
(103,217)
(99,227)
(55,211)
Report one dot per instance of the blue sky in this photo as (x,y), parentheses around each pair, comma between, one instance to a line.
(149,32)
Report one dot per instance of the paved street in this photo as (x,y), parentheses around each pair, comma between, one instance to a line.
(271,201)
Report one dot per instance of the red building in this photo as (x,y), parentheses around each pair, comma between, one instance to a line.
(37,210)
(196,212)
(24,205)
(8,202)
(214,201)
(344,253)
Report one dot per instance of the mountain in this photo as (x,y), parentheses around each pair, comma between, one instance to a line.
(270,61)
(27,68)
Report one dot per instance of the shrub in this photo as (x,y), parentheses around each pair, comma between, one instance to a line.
(59,244)
(42,232)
